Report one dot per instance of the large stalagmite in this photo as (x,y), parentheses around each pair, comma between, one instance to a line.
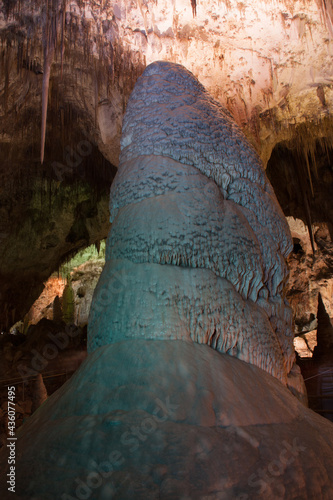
(194,278)
(191,192)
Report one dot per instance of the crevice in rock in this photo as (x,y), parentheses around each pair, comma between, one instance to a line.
(289,171)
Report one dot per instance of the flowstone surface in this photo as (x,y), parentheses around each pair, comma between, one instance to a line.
(171,419)
(184,393)
(192,197)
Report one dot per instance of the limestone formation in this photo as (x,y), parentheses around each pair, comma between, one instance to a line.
(324,332)
(268,62)
(194,276)
(191,194)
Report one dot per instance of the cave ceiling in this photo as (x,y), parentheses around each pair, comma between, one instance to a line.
(66,71)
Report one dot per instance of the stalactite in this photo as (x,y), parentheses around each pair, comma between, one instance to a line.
(309,172)
(48,58)
(306,205)
(324,330)
(326,6)
(96,89)
(194,7)
(313,160)
(50,34)
(19,59)
(6,87)
(63,21)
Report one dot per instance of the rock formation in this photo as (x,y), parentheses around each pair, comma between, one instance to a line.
(194,277)
(324,332)
(268,62)
(191,193)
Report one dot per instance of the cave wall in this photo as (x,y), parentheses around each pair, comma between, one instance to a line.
(303,183)
(269,63)
(67,69)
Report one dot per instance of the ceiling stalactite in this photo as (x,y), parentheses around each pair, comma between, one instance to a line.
(302,176)
(67,69)
(48,220)
(268,63)
(303,180)
(50,211)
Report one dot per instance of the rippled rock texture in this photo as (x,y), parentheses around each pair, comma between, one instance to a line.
(67,70)
(191,193)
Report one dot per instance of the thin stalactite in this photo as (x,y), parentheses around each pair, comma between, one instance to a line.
(309,172)
(48,58)
(326,6)
(6,87)
(306,205)
(194,7)
(50,32)
(63,21)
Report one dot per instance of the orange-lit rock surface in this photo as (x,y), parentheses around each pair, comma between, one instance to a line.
(269,63)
